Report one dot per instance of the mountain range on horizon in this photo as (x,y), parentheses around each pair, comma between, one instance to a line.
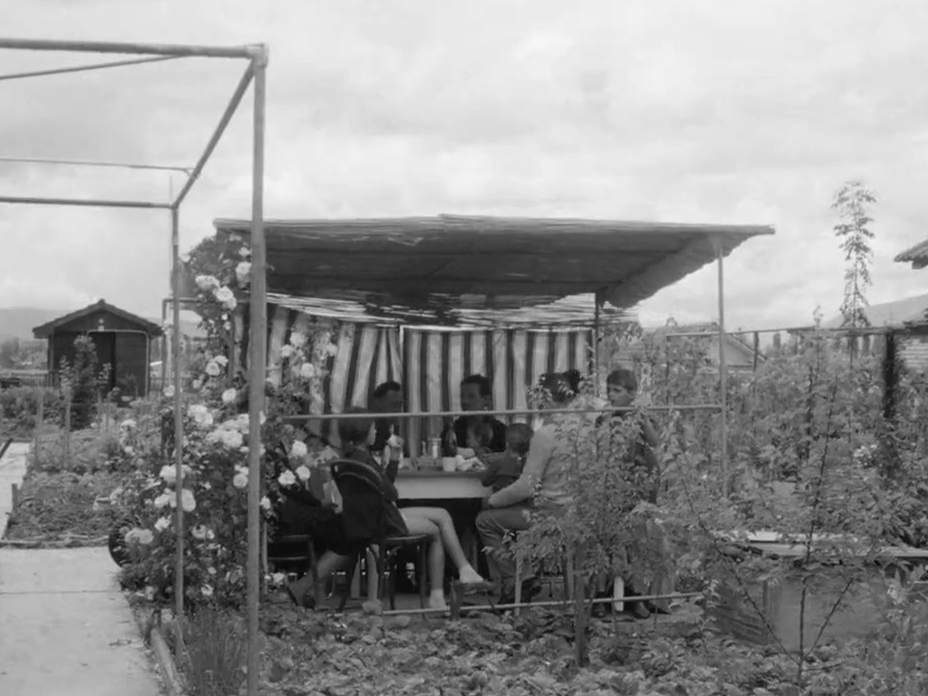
(18,322)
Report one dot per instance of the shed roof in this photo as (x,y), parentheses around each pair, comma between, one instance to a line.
(916,255)
(457,264)
(47,329)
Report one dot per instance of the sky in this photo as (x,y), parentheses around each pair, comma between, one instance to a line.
(706,111)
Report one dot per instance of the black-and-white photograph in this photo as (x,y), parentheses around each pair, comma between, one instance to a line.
(492,348)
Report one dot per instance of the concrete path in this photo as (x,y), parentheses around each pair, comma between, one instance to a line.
(12,470)
(65,628)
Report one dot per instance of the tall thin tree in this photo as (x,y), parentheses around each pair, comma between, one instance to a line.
(853,229)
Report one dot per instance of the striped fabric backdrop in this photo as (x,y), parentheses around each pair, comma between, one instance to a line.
(429,362)
(436,360)
(367,355)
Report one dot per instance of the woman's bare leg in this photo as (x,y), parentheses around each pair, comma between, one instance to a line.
(327,564)
(449,536)
(418,524)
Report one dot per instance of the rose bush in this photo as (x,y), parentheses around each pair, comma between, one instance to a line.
(215,451)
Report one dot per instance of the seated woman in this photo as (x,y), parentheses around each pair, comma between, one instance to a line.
(357,435)
(300,512)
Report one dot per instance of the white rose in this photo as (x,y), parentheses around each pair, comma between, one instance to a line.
(244,252)
(286,478)
(307,371)
(240,480)
(228,396)
(265,503)
(169,391)
(232,439)
(221,360)
(213,369)
(331,349)
(286,351)
(168,473)
(206,591)
(298,450)
(145,537)
(303,473)
(163,523)
(199,532)
(243,272)
(162,501)
(128,424)
(297,339)
(206,282)
(187,501)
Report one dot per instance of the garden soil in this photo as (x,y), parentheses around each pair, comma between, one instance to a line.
(65,627)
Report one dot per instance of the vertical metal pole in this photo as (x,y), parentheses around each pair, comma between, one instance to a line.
(257,328)
(178,423)
(723,373)
(597,337)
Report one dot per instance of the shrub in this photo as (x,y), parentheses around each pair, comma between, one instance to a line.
(19,409)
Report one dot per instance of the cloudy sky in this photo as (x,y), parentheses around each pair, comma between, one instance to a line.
(676,110)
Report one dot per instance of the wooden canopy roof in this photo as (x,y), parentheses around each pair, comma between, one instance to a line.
(916,255)
(454,264)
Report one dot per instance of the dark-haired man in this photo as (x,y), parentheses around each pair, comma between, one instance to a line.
(387,397)
(477,396)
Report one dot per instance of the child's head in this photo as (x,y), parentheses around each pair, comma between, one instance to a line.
(622,386)
(518,438)
(483,434)
(356,431)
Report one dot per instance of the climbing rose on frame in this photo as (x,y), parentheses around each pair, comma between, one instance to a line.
(307,371)
(297,339)
(303,473)
(226,297)
(298,450)
(240,480)
(228,396)
(286,478)
(243,272)
(207,282)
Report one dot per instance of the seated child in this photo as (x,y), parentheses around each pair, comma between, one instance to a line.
(505,467)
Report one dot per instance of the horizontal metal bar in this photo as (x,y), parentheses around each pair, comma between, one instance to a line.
(550,603)
(85,68)
(227,115)
(507,412)
(130,48)
(84,202)
(91,163)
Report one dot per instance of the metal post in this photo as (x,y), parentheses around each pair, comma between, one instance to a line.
(257,327)
(597,337)
(723,373)
(178,423)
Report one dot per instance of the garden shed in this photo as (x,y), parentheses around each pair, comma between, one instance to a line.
(122,341)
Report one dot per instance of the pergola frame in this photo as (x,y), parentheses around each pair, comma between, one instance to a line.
(256,71)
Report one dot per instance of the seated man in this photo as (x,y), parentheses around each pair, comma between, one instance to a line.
(386,398)
(508,510)
(476,395)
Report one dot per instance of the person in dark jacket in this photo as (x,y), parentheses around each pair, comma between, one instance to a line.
(476,396)
(357,435)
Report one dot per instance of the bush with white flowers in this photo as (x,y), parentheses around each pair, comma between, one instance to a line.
(214,480)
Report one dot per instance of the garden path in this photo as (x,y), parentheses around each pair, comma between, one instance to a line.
(65,627)
(12,470)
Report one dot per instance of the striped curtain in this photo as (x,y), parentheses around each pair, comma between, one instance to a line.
(436,360)
(367,355)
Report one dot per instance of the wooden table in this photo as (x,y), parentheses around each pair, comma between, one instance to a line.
(439,485)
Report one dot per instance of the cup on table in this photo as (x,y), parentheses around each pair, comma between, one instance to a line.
(448,464)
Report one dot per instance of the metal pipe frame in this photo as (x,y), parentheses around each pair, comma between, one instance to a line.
(249,52)
(257,331)
(723,373)
(85,68)
(86,202)
(257,56)
(231,108)
(502,412)
(92,163)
